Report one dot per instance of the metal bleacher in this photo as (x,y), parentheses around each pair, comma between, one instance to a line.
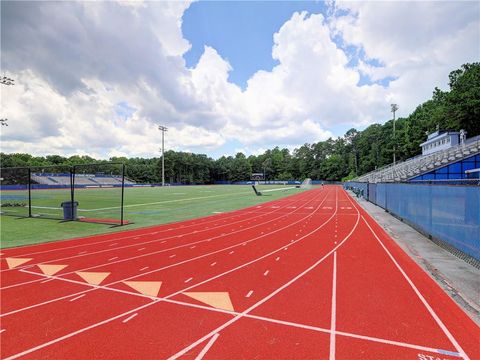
(403,171)
(80,179)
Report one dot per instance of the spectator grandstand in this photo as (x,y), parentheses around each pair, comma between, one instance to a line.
(80,179)
(457,160)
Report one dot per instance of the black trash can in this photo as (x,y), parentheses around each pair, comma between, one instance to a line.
(69,210)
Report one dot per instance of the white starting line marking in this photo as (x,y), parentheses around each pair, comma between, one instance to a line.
(188,280)
(172,256)
(129,318)
(327,207)
(278,258)
(78,297)
(111,259)
(231,252)
(192,247)
(213,263)
(266,273)
(164,241)
(2,330)
(249,293)
(140,249)
(144,268)
(207,347)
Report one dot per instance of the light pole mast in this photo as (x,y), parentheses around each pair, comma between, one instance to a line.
(394,108)
(163,129)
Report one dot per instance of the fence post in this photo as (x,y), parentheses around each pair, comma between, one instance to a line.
(29,192)
(123,194)
(72,189)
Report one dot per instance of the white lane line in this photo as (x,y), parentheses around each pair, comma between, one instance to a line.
(181,263)
(207,347)
(82,252)
(78,297)
(114,258)
(129,318)
(266,273)
(45,281)
(64,337)
(213,263)
(188,280)
(420,296)
(126,237)
(155,252)
(275,292)
(249,294)
(334,308)
(144,268)
(341,333)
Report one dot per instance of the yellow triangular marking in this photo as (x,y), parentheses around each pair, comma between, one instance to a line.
(219,300)
(14,262)
(150,288)
(51,269)
(93,278)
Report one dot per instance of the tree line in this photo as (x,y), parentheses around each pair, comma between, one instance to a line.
(348,156)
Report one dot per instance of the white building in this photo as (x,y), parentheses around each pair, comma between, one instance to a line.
(440,140)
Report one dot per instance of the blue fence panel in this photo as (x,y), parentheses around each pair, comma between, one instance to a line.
(381,195)
(448,213)
(372,193)
(456,217)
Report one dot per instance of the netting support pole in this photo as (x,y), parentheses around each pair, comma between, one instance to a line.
(72,190)
(29,192)
(123,193)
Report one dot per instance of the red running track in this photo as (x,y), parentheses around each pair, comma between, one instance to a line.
(310,276)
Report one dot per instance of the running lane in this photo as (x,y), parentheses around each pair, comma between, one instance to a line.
(329,285)
(289,228)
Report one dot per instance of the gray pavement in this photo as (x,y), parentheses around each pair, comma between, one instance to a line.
(460,280)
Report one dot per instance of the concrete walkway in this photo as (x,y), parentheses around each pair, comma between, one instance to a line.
(459,279)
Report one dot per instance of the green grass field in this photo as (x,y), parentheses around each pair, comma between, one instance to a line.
(143,207)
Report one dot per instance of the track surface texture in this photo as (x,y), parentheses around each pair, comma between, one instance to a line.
(309,276)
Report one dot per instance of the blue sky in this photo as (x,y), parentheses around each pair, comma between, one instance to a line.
(122,68)
(242,31)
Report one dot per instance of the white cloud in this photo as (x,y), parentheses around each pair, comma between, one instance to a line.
(417,42)
(78,65)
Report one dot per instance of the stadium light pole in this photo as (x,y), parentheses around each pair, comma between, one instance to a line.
(394,107)
(163,129)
